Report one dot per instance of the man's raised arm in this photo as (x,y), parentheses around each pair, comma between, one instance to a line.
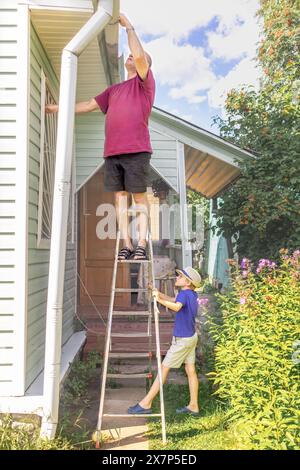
(136,48)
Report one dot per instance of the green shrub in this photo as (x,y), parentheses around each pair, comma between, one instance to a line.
(79,377)
(257,365)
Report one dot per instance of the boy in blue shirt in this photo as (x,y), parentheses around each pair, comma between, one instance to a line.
(184,342)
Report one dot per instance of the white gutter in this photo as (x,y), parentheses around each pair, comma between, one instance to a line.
(65,129)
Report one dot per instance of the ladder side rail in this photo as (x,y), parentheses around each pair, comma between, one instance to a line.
(108,336)
(158,356)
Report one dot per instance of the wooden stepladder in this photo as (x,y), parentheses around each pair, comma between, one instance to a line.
(151,312)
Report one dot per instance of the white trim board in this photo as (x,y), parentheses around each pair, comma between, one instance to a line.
(69,351)
(67,5)
(22,191)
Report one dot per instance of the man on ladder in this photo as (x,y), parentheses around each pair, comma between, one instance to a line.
(127,154)
(127,149)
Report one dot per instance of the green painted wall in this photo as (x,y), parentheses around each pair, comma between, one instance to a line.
(38,259)
(90,144)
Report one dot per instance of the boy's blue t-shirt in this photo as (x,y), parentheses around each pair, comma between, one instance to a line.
(184,326)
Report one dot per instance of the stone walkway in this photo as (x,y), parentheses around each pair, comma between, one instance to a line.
(124,433)
(129,433)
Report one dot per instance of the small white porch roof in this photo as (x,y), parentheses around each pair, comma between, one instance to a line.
(211,162)
(56,25)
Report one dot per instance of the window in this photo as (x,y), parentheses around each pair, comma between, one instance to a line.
(47,169)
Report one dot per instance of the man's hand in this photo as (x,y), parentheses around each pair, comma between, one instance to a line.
(124,21)
(51,108)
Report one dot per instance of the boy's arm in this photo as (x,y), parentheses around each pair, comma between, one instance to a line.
(175,306)
(166,297)
(169,302)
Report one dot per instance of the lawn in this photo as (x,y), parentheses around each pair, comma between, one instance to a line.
(209,431)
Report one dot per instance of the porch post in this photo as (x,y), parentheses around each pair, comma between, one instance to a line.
(63,166)
(186,246)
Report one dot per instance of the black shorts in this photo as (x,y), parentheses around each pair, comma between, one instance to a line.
(127,172)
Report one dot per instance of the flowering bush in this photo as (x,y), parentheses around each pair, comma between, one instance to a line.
(257,357)
(263,205)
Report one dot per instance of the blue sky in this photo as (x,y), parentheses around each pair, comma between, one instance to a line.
(200,50)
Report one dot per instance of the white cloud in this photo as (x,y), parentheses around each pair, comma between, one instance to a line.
(243,73)
(186,69)
(232,41)
(178,18)
(161,17)
(177,112)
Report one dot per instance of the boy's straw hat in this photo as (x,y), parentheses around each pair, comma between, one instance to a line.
(191,274)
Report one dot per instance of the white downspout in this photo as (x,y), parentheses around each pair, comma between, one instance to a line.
(65,129)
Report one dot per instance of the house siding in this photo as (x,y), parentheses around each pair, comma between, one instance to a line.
(90,145)
(8,147)
(38,259)
(89,142)
(164,157)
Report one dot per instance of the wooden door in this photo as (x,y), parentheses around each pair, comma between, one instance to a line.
(96,255)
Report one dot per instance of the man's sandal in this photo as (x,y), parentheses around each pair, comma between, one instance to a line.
(140,253)
(125,254)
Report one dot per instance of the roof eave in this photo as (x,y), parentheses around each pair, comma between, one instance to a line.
(195,131)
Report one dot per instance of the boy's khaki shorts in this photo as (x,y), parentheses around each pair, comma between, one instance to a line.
(182,350)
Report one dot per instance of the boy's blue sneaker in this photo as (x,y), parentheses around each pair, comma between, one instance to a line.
(138,410)
(187,411)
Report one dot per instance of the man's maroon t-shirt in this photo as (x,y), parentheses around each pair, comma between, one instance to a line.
(127,106)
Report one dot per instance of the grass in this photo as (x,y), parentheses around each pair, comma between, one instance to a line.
(210,431)
(19,438)
(76,417)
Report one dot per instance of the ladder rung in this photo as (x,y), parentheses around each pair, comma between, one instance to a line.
(136,210)
(133,261)
(121,289)
(138,313)
(129,335)
(129,376)
(151,415)
(129,355)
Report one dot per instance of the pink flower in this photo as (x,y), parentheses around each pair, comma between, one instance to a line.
(243,300)
(245,263)
(265,263)
(203,301)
